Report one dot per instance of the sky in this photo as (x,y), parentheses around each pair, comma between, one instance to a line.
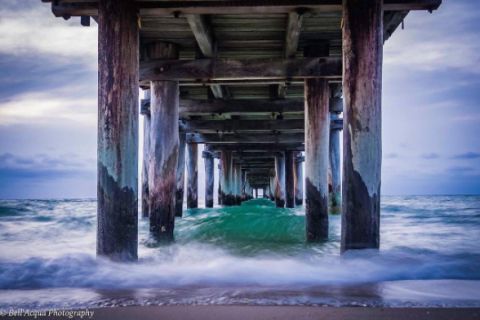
(48,103)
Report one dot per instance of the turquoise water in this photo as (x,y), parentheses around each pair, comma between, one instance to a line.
(251,254)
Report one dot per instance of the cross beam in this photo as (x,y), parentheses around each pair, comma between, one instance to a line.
(241,69)
(245,138)
(177,8)
(234,126)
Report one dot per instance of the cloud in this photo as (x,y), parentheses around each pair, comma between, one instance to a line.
(430,156)
(460,169)
(448,39)
(32,30)
(43,161)
(42,176)
(48,107)
(467,156)
(391,155)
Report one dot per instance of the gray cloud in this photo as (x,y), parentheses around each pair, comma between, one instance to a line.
(467,156)
(460,169)
(44,163)
(430,156)
(391,155)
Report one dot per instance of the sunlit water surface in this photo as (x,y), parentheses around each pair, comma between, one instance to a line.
(251,254)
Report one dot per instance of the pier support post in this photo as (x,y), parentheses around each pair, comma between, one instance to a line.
(289,179)
(256,193)
(299,179)
(226,159)
(280,181)
(317,131)
(272,188)
(335,195)
(209,177)
(164,145)
(238,184)
(146,156)
(244,185)
(192,171)
(180,174)
(220,178)
(117,189)
(362,153)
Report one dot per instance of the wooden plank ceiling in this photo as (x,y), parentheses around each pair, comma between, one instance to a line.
(228,29)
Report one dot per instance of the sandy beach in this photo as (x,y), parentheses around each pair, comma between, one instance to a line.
(273,312)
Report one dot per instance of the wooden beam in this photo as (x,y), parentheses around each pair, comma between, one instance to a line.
(294,26)
(280,181)
(245,138)
(241,69)
(292,36)
(362,142)
(179,8)
(392,20)
(234,126)
(226,161)
(209,177)
(192,173)
(117,183)
(317,133)
(266,6)
(180,174)
(240,107)
(146,157)
(203,34)
(197,107)
(164,148)
(334,153)
(259,147)
(289,180)
(214,126)
(298,180)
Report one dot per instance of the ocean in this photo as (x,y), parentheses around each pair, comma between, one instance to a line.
(253,254)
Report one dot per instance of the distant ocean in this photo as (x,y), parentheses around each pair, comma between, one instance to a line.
(253,254)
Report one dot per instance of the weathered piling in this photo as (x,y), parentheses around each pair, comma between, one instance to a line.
(272,187)
(164,146)
(280,180)
(299,179)
(209,177)
(238,184)
(244,185)
(317,131)
(180,175)
(362,153)
(146,156)
(228,199)
(117,208)
(220,178)
(335,194)
(192,172)
(256,193)
(289,180)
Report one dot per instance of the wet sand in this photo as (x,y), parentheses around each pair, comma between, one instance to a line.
(277,313)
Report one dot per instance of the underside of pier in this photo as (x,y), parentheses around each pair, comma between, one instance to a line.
(266,86)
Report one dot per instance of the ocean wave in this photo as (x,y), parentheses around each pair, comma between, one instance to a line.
(196,264)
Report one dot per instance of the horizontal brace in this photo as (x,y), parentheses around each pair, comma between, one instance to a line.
(179,8)
(234,126)
(190,107)
(272,147)
(225,126)
(240,69)
(245,138)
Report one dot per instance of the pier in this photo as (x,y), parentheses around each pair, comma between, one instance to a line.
(267,87)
